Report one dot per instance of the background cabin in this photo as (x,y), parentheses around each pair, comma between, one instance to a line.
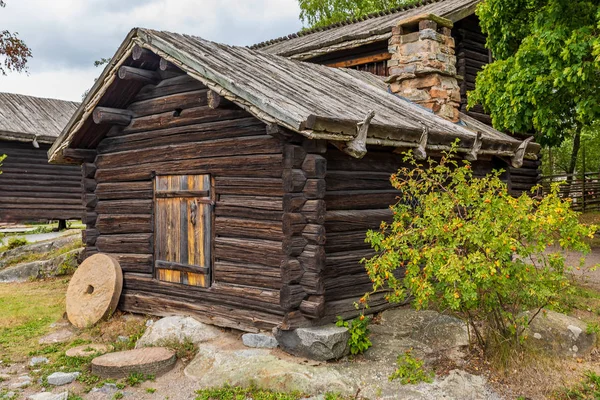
(30,188)
(238,185)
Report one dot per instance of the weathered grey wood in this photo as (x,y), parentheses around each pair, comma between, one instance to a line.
(138,74)
(114,116)
(138,53)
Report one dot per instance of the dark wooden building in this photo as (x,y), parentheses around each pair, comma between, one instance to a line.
(30,188)
(237,185)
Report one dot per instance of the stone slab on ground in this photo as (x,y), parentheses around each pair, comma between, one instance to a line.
(49,396)
(60,336)
(37,361)
(177,329)
(259,340)
(49,243)
(62,378)
(322,343)
(559,334)
(150,361)
(86,350)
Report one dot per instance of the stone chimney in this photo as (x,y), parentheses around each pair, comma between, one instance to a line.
(423,65)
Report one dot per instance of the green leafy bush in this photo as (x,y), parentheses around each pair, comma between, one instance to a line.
(359,333)
(410,370)
(465,245)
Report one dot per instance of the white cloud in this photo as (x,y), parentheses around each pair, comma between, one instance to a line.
(67,36)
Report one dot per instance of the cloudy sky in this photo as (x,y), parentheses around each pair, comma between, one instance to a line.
(67,36)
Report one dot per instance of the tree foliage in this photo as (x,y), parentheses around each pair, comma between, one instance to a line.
(465,245)
(545,75)
(318,13)
(14,53)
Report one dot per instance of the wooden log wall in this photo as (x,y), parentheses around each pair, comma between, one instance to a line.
(302,293)
(33,190)
(471,57)
(174,131)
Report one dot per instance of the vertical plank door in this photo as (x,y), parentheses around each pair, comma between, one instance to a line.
(183,229)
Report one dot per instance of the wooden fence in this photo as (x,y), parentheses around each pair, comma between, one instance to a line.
(583,189)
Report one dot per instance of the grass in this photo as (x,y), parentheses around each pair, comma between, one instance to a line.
(23,321)
(588,388)
(253,393)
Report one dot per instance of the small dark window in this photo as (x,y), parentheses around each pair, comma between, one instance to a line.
(183,229)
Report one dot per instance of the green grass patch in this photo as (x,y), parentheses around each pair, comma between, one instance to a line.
(28,309)
(238,393)
(587,389)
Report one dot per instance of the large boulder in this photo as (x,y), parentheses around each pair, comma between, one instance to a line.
(560,335)
(56,266)
(177,329)
(426,332)
(322,343)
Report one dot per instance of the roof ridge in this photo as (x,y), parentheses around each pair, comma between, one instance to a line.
(38,97)
(348,21)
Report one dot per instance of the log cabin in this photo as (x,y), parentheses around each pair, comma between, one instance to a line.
(366,44)
(237,185)
(31,189)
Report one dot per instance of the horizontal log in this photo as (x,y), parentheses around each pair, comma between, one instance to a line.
(80,155)
(266,165)
(239,127)
(354,180)
(127,223)
(243,206)
(313,307)
(346,263)
(315,166)
(291,271)
(141,54)
(346,241)
(361,200)
(165,65)
(235,185)
(247,275)
(248,228)
(291,296)
(88,170)
(129,243)
(315,189)
(312,258)
(293,156)
(125,207)
(226,316)
(293,180)
(112,116)
(170,103)
(254,145)
(312,283)
(217,101)
(354,220)
(254,251)
(293,245)
(314,211)
(293,223)
(139,263)
(90,236)
(125,190)
(314,234)
(137,74)
(178,84)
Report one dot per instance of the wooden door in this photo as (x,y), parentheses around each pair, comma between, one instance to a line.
(183,229)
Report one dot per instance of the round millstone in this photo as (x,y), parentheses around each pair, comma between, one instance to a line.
(87,350)
(149,361)
(94,290)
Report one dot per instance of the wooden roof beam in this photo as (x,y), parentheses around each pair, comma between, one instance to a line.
(113,116)
(138,74)
(138,53)
(358,146)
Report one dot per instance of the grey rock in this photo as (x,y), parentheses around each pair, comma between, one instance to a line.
(9,396)
(39,247)
(60,336)
(322,343)
(22,383)
(123,338)
(259,340)
(107,388)
(37,361)
(177,329)
(38,269)
(49,396)
(214,366)
(560,335)
(149,323)
(62,378)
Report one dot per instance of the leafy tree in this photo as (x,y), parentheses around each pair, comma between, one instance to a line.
(2,157)
(13,50)
(318,13)
(465,245)
(545,76)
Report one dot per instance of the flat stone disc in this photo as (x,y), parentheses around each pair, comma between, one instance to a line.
(94,290)
(149,361)
(86,350)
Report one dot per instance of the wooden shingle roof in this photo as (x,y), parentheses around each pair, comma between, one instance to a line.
(313,100)
(22,118)
(353,33)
